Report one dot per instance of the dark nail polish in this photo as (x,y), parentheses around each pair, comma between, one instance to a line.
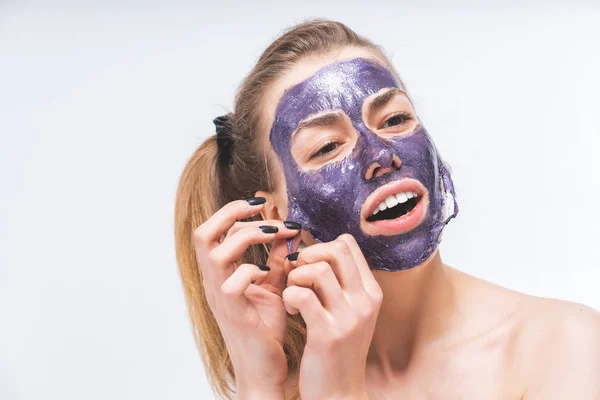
(292,225)
(264,267)
(254,201)
(292,256)
(269,229)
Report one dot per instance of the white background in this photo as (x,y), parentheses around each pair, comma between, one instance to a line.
(100,107)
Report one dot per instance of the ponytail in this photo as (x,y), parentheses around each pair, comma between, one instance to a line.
(196,201)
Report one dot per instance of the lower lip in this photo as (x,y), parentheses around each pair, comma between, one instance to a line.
(402,224)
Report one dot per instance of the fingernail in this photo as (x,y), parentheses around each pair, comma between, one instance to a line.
(269,229)
(254,201)
(292,225)
(263,267)
(292,256)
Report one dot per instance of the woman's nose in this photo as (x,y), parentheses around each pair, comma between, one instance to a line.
(384,164)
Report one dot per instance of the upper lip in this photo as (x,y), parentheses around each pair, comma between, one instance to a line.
(391,188)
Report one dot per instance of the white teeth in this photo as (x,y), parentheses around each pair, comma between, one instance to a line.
(394,200)
(402,197)
(391,201)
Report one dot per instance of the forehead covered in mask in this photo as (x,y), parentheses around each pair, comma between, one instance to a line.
(328,201)
(341,85)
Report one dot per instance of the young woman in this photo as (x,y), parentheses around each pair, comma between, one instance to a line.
(324,154)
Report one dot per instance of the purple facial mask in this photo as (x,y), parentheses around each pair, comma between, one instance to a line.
(327,202)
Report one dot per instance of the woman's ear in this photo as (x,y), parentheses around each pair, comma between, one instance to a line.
(270,210)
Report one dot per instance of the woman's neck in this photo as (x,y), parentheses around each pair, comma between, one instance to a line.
(417,308)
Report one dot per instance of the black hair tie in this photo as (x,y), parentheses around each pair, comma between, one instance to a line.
(224,139)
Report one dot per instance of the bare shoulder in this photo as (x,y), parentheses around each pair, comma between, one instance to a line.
(536,320)
(560,347)
(553,346)
(560,324)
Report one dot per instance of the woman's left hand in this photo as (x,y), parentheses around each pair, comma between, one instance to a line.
(339,299)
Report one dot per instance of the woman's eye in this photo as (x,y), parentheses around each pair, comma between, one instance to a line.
(397,119)
(326,148)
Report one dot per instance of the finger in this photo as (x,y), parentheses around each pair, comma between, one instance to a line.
(275,281)
(245,224)
(322,280)
(369,282)
(232,249)
(337,254)
(291,310)
(291,253)
(209,233)
(305,300)
(234,287)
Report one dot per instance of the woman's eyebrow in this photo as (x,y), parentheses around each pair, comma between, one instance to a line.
(327,119)
(378,102)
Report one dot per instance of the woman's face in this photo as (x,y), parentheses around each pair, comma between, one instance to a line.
(356,159)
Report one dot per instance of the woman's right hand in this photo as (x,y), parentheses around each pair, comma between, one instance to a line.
(251,316)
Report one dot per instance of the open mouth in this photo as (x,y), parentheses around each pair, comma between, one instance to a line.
(394,208)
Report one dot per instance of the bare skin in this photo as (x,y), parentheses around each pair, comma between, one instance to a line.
(443,334)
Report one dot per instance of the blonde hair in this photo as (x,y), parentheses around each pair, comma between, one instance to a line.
(206,185)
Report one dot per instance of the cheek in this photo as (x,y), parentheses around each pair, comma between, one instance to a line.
(281,202)
(280,199)
(278,181)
